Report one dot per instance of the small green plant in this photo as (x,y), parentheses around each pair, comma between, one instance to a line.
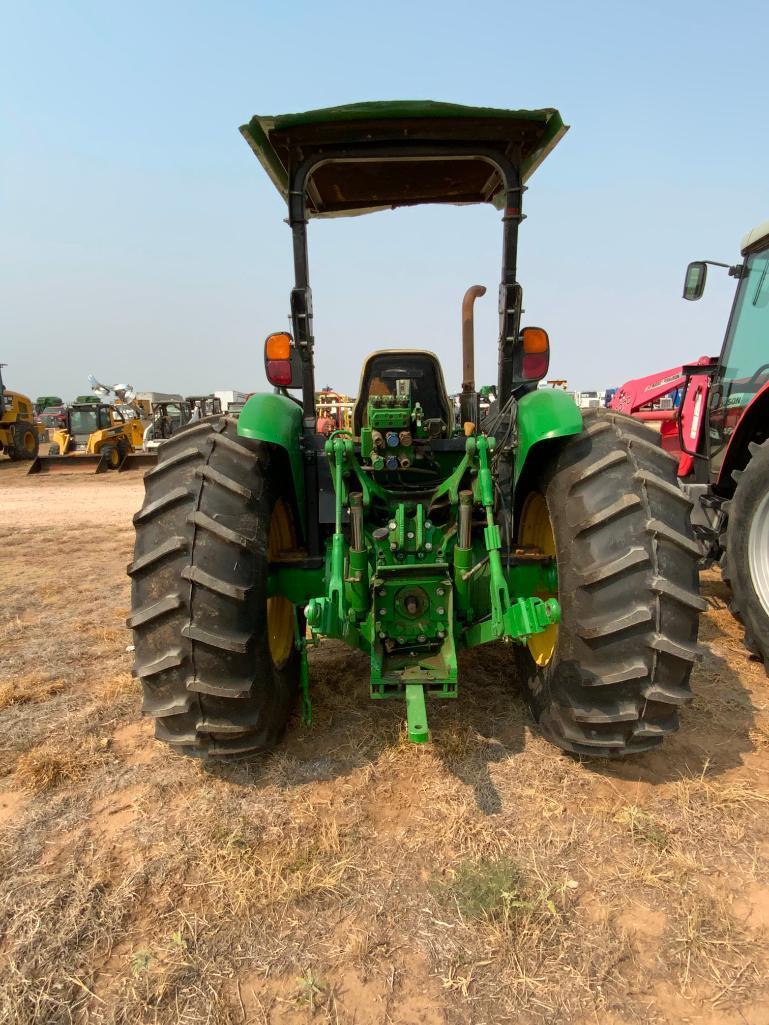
(644,827)
(141,959)
(487,888)
(310,988)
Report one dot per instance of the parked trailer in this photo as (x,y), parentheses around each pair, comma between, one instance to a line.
(232,398)
(589,400)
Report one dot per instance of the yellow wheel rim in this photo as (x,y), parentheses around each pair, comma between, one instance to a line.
(536,529)
(29,443)
(280,611)
(114,457)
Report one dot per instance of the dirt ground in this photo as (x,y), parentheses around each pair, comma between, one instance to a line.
(350,878)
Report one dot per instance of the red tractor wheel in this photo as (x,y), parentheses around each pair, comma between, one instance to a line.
(745,562)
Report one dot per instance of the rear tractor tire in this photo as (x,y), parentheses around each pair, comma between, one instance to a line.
(745,562)
(216,657)
(609,680)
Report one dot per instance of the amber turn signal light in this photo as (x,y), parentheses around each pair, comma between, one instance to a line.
(534,339)
(278,346)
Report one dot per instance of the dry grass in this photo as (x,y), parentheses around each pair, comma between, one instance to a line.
(246,873)
(57,763)
(709,946)
(351,877)
(31,688)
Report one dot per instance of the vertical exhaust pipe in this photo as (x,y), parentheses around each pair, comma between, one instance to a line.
(467,402)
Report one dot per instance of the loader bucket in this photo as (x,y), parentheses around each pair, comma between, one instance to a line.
(65,464)
(139,461)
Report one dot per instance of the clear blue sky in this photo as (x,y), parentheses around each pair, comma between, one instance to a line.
(141,240)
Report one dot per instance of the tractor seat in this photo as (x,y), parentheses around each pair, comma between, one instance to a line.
(385,367)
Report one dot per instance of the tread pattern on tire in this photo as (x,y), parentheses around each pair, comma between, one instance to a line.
(199,578)
(16,450)
(743,604)
(628,582)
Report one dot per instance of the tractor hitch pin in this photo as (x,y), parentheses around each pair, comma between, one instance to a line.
(476,568)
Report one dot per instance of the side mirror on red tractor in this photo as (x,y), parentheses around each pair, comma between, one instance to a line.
(694,282)
(281,361)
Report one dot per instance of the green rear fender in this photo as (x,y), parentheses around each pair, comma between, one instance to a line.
(278,420)
(542,416)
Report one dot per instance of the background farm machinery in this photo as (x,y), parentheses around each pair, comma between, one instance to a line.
(19,434)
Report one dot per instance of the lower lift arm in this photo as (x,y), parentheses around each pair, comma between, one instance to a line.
(513,620)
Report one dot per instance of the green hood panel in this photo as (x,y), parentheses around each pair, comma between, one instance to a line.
(282,141)
(543,415)
(277,420)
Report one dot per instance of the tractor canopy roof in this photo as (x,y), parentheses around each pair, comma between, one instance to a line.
(359,185)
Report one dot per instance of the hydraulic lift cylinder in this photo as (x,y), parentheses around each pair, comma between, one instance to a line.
(358,558)
(463,552)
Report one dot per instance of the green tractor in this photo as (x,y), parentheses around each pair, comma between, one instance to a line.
(44,401)
(417,533)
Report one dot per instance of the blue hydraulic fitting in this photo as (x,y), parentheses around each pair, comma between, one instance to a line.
(392,463)
(392,439)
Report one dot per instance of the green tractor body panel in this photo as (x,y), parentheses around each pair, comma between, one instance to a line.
(542,416)
(277,420)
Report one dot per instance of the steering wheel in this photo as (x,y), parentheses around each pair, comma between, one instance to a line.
(761,370)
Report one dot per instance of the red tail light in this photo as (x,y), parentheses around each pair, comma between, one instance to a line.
(535,366)
(279,372)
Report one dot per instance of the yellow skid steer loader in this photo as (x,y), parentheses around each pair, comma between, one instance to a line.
(96,436)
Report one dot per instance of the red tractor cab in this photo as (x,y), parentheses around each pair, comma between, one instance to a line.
(717,426)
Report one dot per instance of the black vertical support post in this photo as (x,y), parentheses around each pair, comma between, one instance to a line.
(509,289)
(301,317)
(510,358)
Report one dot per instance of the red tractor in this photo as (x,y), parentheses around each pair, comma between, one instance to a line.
(717,425)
